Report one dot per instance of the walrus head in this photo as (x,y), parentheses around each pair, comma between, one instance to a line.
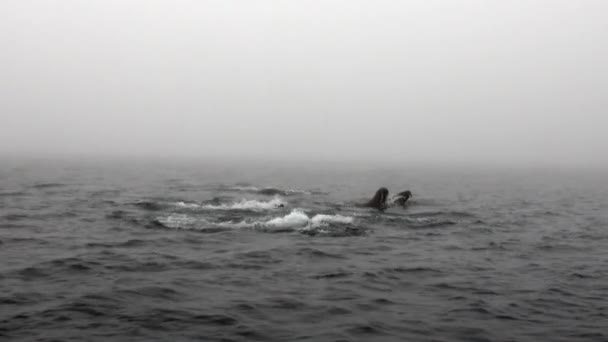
(379,199)
(402,197)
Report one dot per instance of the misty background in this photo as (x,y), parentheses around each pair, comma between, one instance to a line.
(396,81)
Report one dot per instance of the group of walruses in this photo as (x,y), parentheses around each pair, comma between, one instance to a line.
(381,201)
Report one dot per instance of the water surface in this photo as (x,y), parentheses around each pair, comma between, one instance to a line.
(234,252)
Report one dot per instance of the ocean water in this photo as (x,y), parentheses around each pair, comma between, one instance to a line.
(159,251)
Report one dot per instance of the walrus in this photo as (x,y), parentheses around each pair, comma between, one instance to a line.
(379,200)
(402,197)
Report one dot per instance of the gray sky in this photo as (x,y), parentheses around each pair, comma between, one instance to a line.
(404,81)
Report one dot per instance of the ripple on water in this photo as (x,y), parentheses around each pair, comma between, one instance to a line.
(317,253)
(333,275)
(47,185)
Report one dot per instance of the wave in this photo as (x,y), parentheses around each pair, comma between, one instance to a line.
(296,219)
(11,193)
(455,214)
(321,219)
(176,221)
(244,204)
(428,222)
(185,222)
(15,217)
(268,190)
(187,205)
(148,205)
(47,185)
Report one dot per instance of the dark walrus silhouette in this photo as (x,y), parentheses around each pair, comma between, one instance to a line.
(380,199)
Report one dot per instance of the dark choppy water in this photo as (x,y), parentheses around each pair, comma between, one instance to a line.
(145,252)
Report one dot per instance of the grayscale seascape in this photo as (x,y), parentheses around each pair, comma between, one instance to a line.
(158,252)
(304,170)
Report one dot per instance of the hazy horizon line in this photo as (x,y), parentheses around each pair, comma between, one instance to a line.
(367,163)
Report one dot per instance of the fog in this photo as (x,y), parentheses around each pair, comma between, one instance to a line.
(520,82)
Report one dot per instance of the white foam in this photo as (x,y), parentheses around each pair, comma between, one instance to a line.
(298,191)
(248,205)
(187,205)
(229,224)
(298,219)
(176,221)
(244,188)
(321,219)
(183,221)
